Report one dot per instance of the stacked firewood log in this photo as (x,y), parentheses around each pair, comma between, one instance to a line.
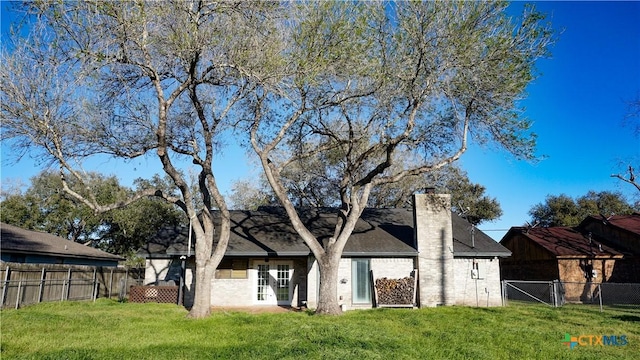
(395,291)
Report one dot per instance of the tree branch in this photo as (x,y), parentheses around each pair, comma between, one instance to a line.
(630,180)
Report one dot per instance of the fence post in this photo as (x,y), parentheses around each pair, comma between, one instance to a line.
(68,284)
(600,295)
(6,284)
(123,292)
(504,292)
(64,283)
(18,296)
(40,291)
(110,284)
(95,280)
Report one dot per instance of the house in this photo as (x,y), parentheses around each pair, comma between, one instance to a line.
(267,263)
(18,245)
(476,265)
(623,233)
(599,250)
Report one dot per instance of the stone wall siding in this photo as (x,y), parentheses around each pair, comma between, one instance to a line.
(434,235)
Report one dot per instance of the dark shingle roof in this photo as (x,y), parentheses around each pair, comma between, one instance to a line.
(268,232)
(382,232)
(20,241)
(481,245)
(170,240)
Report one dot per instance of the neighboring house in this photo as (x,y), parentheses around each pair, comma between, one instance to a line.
(267,263)
(623,233)
(18,245)
(598,250)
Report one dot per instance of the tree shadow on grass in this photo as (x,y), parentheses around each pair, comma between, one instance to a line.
(629,318)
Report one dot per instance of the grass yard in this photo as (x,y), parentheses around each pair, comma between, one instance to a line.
(111,330)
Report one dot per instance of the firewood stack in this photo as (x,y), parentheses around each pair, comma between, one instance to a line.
(395,291)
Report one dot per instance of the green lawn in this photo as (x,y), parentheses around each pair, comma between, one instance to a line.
(111,330)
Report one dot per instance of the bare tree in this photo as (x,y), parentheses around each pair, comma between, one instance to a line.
(632,119)
(132,79)
(630,178)
(352,85)
(367,82)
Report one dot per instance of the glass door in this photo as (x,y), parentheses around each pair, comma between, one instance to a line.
(263,285)
(273,280)
(361,281)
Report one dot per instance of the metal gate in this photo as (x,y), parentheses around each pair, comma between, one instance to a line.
(547,292)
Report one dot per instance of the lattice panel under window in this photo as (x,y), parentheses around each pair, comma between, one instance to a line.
(158,294)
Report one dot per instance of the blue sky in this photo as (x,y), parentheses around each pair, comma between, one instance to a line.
(578,106)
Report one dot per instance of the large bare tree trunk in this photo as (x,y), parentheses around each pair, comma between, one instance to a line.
(202,299)
(208,256)
(328,295)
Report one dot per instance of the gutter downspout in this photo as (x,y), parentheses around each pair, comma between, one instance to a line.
(183,276)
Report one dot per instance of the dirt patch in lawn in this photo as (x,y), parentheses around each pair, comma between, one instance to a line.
(255,309)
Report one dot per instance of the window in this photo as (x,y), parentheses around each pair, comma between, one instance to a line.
(232,269)
(263,282)
(361,280)
(283,278)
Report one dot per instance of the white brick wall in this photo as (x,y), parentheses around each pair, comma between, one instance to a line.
(392,268)
(344,287)
(484,291)
(233,292)
(242,292)
(155,269)
(313,282)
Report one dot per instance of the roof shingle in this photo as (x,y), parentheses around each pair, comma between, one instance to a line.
(20,241)
(268,232)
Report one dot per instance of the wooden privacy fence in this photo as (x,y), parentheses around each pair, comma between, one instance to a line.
(26,284)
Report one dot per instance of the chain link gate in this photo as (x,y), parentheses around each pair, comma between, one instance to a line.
(556,293)
(547,292)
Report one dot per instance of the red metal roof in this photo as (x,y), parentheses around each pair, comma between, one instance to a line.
(630,223)
(567,242)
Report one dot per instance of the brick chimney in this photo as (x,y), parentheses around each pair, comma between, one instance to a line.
(434,239)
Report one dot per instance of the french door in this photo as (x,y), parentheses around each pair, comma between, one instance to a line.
(273,282)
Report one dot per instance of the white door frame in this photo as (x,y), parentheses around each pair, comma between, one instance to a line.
(266,294)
